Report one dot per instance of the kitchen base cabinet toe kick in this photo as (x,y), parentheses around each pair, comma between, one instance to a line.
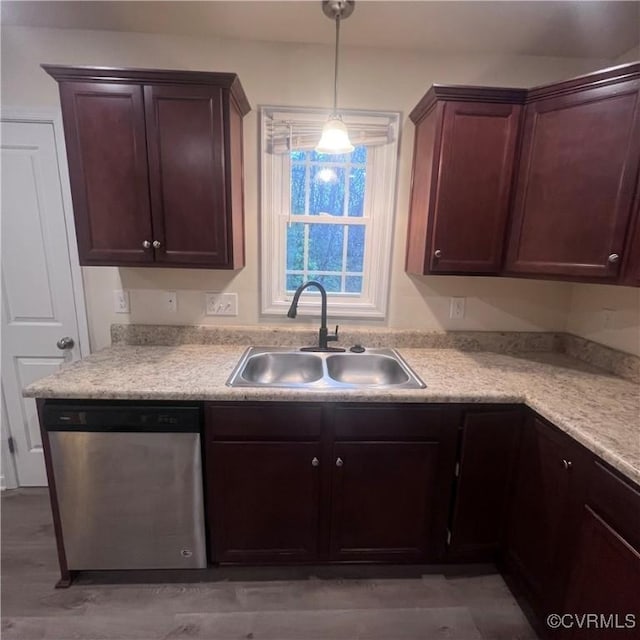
(316,484)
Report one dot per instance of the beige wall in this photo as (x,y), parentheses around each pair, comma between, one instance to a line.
(606,314)
(633,55)
(300,75)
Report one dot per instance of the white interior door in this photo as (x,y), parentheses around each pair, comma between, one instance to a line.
(39,306)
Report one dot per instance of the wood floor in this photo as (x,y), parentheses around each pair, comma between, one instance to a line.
(241,604)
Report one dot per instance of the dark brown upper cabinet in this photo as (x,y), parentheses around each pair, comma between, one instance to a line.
(465,142)
(537,182)
(631,263)
(155,162)
(577,176)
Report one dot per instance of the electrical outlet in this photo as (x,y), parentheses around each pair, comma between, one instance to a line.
(121,301)
(456,308)
(221,304)
(607,318)
(170,300)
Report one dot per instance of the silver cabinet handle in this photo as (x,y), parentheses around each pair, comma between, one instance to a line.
(437,253)
(567,464)
(613,258)
(315,462)
(146,244)
(339,462)
(65,343)
(156,244)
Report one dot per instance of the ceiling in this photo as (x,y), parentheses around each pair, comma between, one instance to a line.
(595,29)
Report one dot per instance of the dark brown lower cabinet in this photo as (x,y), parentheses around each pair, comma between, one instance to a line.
(487,457)
(392,471)
(266,501)
(548,494)
(296,483)
(358,482)
(605,582)
(605,577)
(263,482)
(383,499)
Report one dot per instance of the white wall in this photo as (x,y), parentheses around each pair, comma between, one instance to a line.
(287,74)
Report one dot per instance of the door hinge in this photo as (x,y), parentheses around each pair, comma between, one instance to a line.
(448,537)
(457,471)
(11,444)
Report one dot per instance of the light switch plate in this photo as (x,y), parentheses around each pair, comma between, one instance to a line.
(221,304)
(121,301)
(456,308)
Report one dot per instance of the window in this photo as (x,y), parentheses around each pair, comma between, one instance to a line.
(327,217)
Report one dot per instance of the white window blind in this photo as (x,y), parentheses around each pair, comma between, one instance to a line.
(290,130)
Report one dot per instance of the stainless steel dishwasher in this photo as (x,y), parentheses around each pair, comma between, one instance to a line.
(129,485)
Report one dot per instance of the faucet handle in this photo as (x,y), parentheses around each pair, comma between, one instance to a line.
(334,337)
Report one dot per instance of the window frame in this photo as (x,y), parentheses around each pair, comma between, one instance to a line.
(378,215)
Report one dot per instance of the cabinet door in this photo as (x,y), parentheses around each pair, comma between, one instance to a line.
(187,173)
(578,168)
(469,212)
(383,500)
(263,501)
(540,507)
(106,149)
(631,266)
(487,458)
(605,580)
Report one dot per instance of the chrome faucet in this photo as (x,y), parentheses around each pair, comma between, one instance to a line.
(324,337)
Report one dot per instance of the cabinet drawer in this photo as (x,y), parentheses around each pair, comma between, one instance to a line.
(617,501)
(263,421)
(393,422)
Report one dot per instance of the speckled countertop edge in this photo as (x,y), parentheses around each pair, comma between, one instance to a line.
(599,410)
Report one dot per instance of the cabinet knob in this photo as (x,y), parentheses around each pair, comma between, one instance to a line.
(567,464)
(437,253)
(156,244)
(315,462)
(339,462)
(146,244)
(613,258)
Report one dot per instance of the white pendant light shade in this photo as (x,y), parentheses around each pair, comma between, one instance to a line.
(335,137)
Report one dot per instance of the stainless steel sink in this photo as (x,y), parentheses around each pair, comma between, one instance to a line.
(288,368)
(283,368)
(366,369)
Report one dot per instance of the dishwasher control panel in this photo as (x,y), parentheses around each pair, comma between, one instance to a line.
(121,418)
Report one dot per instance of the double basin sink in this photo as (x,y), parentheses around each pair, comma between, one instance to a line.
(292,369)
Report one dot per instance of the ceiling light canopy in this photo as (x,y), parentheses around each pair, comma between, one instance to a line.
(335,137)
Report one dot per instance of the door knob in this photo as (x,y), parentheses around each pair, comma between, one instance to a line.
(613,258)
(567,464)
(65,343)
(146,244)
(156,244)
(339,462)
(315,462)
(437,253)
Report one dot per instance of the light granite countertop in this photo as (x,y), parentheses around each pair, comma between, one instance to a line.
(599,410)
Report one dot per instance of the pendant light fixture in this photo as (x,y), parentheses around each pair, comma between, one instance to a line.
(335,137)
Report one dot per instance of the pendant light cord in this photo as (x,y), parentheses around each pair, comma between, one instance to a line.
(335,75)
